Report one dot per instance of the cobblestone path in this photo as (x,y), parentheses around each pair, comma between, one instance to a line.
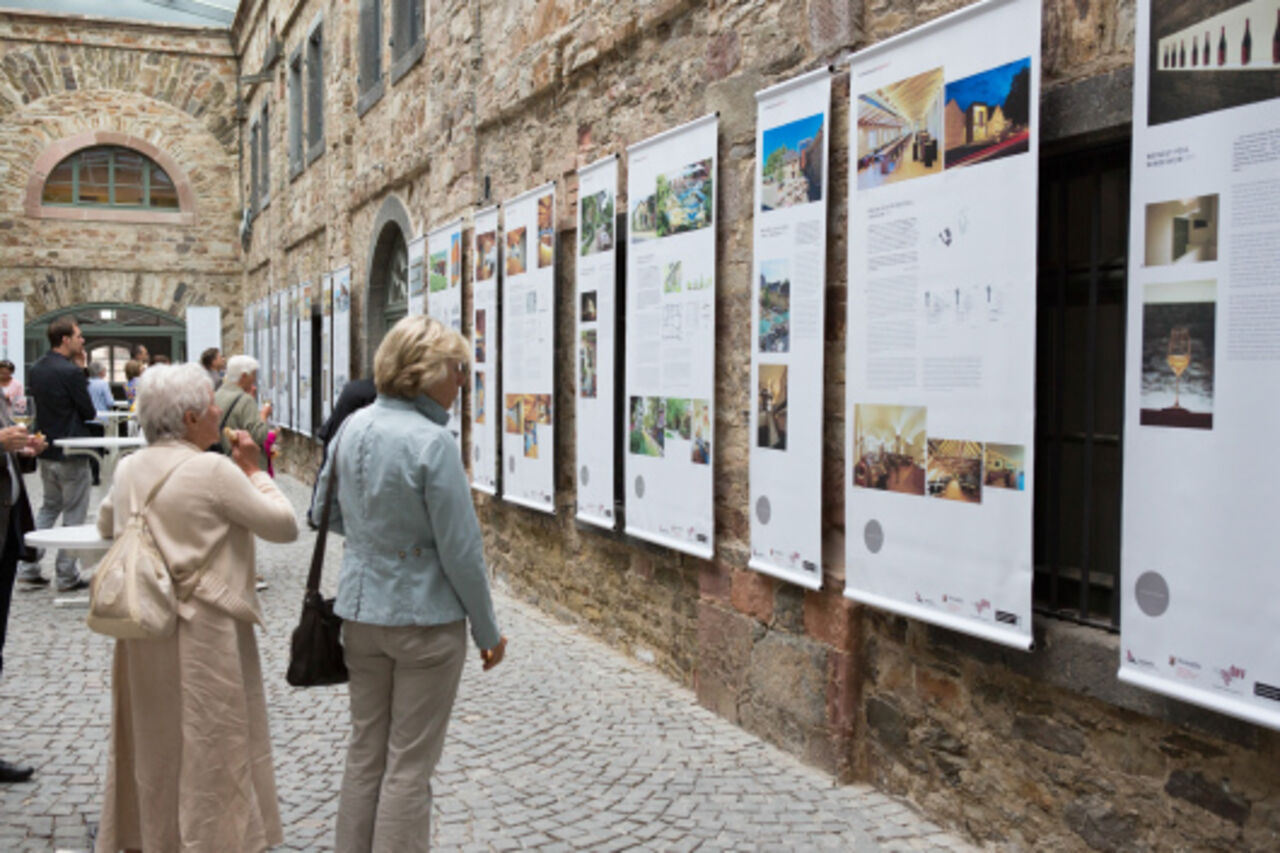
(568,745)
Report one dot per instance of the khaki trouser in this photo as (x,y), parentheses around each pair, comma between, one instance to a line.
(403,683)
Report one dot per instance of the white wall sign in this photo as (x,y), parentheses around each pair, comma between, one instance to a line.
(940,372)
(444,294)
(1200,594)
(595,339)
(341,330)
(204,330)
(326,347)
(417,275)
(485,410)
(670,341)
(528,355)
(304,360)
(788,291)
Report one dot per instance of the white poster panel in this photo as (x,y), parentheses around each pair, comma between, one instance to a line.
(670,340)
(12,327)
(788,289)
(263,354)
(528,355)
(444,294)
(940,376)
(1200,596)
(303,419)
(484,331)
(326,347)
(291,340)
(249,342)
(595,339)
(204,330)
(417,279)
(279,403)
(341,330)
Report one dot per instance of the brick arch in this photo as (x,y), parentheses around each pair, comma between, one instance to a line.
(55,153)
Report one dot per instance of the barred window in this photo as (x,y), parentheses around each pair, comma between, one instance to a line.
(264,139)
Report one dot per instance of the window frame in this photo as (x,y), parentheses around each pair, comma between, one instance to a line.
(403,60)
(296,95)
(254,203)
(75,159)
(369,53)
(264,138)
(313,71)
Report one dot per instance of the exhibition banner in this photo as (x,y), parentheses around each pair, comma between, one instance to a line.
(1200,596)
(204,330)
(326,347)
(596,328)
(249,342)
(788,290)
(417,283)
(303,419)
(12,330)
(528,349)
(292,338)
(940,371)
(484,329)
(279,409)
(341,330)
(444,294)
(262,353)
(671,337)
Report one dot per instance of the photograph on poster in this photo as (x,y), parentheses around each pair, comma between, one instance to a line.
(771,414)
(513,423)
(588,306)
(648,427)
(546,232)
(701,451)
(1178,354)
(537,408)
(1005,466)
(438,271)
(455,259)
(671,277)
(899,126)
(679,418)
(486,255)
(889,448)
(791,168)
(530,439)
(988,115)
(415,279)
(775,306)
(516,249)
(683,199)
(342,297)
(479,398)
(644,219)
(694,282)
(482,324)
(1210,55)
(955,470)
(597,223)
(587,362)
(531,302)
(1182,231)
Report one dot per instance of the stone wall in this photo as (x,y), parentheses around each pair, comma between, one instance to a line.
(170,92)
(1036,749)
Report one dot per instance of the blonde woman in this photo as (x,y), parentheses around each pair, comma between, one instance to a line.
(189,761)
(413,574)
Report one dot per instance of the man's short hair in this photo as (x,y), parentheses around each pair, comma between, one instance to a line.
(63,327)
(96,369)
(207,358)
(239,365)
(137,348)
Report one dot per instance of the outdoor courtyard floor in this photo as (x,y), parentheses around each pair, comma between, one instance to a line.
(568,745)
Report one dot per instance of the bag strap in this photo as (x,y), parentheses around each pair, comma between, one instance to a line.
(227,416)
(322,532)
(133,510)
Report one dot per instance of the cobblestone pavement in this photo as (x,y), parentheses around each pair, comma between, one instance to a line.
(568,745)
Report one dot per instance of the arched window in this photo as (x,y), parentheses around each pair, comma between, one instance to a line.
(110,176)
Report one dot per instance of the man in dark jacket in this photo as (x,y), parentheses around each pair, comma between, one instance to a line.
(355,395)
(63,410)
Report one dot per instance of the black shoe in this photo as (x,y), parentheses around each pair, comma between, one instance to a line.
(35,581)
(14,773)
(80,584)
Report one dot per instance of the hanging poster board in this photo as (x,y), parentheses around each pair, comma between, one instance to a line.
(1200,596)
(291,378)
(444,294)
(528,354)
(341,330)
(304,360)
(417,281)
(12,327)
(940,373)
(484,334)
(248,331)
(788,290)
(204,330)
(279,407)
(263,354)
(595,339)
(670,340)
(326,347)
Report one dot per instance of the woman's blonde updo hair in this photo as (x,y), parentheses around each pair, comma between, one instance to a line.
(417,353)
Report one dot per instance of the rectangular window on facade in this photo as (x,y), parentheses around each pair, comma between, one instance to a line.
(253,167)
(370,60)
(408,40)
(264,138)
(295,113)
(315,92)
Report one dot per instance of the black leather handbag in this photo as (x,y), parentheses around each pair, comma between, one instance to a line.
(315,649)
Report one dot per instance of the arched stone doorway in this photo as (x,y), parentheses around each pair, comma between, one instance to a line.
(110,329)
(387,296)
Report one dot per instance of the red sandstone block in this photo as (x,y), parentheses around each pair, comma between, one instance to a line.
(752,593)
(829,618)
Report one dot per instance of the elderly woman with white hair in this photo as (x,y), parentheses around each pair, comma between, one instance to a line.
(237,397)
(189,764)
(413,574)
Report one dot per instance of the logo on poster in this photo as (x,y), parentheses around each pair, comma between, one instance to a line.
(1130,657)
(981,606)
(1230,674)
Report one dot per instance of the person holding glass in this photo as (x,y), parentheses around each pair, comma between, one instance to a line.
(413,575)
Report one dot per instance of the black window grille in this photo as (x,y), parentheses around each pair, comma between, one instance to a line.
(1082,286)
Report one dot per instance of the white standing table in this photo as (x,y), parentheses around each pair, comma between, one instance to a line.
(113,447)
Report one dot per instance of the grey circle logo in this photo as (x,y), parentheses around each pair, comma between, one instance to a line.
(764,510)
(639,487)
(511,464)
(873,536)
(584,476)
(1152,593)
(477,452)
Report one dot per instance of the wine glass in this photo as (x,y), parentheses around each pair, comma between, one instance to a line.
(1179,358)
(24,411)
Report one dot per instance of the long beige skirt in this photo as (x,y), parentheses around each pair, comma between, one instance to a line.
(189,765)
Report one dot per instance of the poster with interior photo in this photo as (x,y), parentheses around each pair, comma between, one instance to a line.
(484,342)
(444,295)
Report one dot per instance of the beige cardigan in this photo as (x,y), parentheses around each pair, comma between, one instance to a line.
(207,501)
